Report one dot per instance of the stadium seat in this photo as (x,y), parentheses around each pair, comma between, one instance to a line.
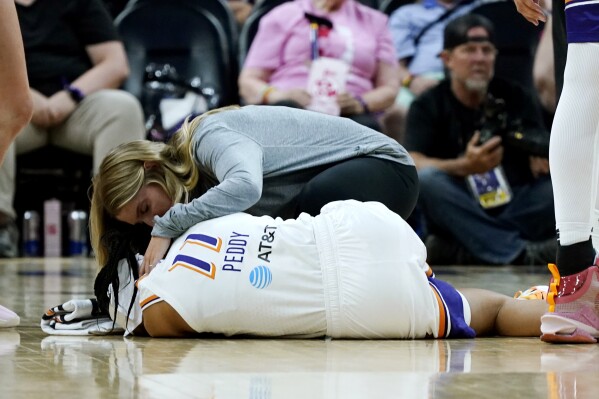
(182,33)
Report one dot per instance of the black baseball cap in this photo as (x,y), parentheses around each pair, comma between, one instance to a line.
(456,31)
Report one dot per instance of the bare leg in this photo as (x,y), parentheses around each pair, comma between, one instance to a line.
(497,314)
(162,320)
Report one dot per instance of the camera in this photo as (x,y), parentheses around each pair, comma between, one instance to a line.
(495,122)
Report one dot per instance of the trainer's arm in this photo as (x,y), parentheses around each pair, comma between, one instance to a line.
(236,162)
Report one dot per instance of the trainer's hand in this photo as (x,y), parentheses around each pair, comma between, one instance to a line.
(531,10)
(484,157)
(156,250)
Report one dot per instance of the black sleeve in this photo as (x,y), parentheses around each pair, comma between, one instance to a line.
(94,24)
(420,126)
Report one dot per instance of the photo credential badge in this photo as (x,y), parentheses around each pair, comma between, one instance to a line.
(491,189)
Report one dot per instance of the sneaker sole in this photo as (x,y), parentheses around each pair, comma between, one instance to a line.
(559,329)
(574,338)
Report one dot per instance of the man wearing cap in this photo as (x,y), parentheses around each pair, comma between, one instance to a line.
(486,197)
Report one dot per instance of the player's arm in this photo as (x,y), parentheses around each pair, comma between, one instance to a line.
(497,314)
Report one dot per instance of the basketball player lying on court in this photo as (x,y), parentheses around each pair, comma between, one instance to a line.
(357,270)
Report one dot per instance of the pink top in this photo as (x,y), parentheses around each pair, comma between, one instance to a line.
(359,36)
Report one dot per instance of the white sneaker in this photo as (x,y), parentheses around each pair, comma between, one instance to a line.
(8,318)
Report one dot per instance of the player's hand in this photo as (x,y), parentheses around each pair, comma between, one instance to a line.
(154,253)
(484,157)
(531,10)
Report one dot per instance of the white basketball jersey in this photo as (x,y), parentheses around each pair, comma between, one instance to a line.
(238,273)
(357,270)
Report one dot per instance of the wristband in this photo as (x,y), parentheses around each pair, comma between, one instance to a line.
(407,81)
(364,105)
(76,94)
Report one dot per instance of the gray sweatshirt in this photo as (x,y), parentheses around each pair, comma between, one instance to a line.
(264,155)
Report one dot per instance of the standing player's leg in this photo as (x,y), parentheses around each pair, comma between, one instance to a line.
(574,160)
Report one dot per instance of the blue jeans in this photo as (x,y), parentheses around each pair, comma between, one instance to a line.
(497,236)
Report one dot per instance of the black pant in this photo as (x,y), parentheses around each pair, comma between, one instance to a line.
(362,179)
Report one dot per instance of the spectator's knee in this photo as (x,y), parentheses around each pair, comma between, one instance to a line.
(119,102)
(429,178)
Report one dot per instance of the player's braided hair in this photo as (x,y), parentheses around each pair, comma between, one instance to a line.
(122,242)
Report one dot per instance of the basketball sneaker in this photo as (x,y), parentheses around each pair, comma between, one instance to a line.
(8,318)
(573,315)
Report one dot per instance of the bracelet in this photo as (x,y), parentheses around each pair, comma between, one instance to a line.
(265,93)
(76,94)
(407,81)
(364,105)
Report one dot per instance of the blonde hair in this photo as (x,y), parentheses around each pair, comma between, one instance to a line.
(130,166)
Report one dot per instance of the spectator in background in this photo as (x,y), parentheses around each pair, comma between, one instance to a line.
(417,32)
(74,64)
(15,102)
(506,215)
(277,67)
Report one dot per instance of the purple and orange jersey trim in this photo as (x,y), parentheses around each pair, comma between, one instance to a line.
(452,323)
(149,301)
(443,313)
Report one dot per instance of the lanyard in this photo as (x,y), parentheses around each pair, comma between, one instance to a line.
(313,41)
(318,26)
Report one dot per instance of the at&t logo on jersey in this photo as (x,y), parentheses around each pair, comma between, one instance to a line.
(260,277)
